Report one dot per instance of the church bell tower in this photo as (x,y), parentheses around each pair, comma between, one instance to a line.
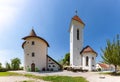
(76,40)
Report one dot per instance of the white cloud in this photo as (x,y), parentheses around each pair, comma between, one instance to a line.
(9,11)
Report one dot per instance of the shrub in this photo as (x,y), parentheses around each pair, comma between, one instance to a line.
(37,70)
(99,69)
(3,70)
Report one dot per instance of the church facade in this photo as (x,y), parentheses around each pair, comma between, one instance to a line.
(36,51)
(36,54)
(84,58)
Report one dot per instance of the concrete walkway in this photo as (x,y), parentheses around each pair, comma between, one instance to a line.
(90,76)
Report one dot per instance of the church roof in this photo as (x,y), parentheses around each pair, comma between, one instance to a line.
(88,49)
(78,19)
(33,34)
(102,65)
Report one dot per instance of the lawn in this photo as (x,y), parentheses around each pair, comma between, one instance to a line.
(8,74)
(47,78)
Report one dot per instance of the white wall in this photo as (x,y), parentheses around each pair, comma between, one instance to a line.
(40,50)
(52,65)
(91,63)
(76,45)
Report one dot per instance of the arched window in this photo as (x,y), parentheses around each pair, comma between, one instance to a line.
(87,59)
(77,34)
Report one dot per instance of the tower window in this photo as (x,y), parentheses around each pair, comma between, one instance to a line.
(33,43)
(77,34)
(87,59)
(33,54)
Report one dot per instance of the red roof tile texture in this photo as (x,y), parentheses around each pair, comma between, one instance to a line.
(78,19)
(88,49)
(103,65)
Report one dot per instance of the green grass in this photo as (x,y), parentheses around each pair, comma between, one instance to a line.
(58,78)
(46,78)
(8,74)
(64,79)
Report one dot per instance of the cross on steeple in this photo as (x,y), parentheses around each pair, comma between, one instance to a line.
(76,12)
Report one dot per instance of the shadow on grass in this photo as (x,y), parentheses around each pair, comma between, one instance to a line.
(111,73)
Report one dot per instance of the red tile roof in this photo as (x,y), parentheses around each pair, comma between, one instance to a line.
(103,65)
(87,49)
(78,19)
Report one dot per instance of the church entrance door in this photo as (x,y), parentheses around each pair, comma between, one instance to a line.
(33,67)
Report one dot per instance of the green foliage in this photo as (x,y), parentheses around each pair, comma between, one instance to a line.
(15,63)
(8,66)
(99,69)
(66,60)
(0,65)
(112,52)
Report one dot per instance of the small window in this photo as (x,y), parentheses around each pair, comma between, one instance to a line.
(87,59)
(77,34)
(33,54)
(49,60)
(49,65)
(33,43)
(27,54)
(92,58)
(53,65)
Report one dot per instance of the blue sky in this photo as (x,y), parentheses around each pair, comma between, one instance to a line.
(51,20)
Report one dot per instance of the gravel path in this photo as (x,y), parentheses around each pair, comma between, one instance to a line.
(90,76)
(18,79)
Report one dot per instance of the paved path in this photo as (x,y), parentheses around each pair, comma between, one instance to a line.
(90,76)
(18,79)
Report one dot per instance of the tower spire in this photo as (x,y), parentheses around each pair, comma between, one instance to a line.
(32,33)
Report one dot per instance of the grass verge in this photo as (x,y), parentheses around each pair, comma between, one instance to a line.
(8,74)
(47,78)
(111,73)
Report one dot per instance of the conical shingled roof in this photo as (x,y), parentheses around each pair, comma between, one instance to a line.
(78,19)
(32,33)
(88,49)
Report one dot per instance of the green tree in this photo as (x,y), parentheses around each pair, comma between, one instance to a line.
(66,60)
(0,65)
(8,66)
(15,63)
(111,53)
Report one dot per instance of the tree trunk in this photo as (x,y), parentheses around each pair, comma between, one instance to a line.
(115,68)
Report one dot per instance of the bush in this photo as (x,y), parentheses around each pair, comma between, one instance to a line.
(3,70)
(37,70)
(99,69)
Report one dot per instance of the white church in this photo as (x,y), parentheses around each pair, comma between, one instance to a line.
(36,51)
(84,58)
(36,54)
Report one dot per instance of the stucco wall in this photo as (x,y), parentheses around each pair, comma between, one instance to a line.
(52,65)
(76,45)
(40,50)
(91,62)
